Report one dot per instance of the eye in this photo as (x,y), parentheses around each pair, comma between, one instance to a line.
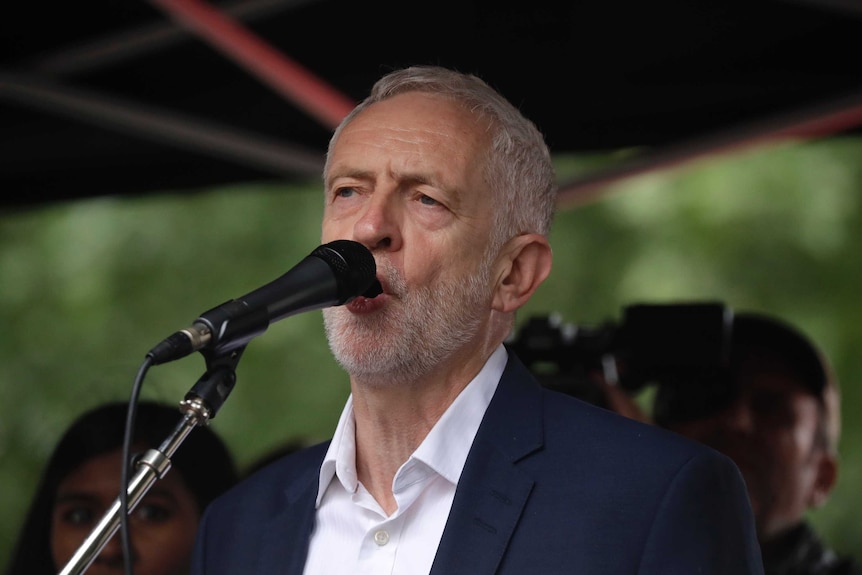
(345,192)
(428,200)
(773,408)
(78,515)
(152,513)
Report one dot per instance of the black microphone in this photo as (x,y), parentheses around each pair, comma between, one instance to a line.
(333,274)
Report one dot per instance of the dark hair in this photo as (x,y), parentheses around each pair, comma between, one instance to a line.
(203,461)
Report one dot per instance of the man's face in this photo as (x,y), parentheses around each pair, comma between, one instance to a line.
(772,433)
(405,179)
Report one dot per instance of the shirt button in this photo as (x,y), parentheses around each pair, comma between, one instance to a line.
(381,537)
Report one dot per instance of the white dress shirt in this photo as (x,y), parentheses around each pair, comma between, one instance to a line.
(353,535)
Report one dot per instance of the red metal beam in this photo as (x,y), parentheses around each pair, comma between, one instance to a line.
(816,122)
(288,78)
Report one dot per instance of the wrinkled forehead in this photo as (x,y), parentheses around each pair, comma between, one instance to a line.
(412,131)
(417,109)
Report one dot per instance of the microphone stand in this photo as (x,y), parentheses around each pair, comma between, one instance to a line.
(200,405)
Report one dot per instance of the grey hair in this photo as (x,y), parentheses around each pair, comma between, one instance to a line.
(518,163)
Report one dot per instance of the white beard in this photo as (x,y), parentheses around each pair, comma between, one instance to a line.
(417,330)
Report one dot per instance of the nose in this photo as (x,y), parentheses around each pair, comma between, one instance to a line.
(378,226)
(112,553)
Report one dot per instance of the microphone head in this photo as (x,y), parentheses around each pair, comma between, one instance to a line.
(354,267)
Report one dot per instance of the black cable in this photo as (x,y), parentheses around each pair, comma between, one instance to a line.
(126,464)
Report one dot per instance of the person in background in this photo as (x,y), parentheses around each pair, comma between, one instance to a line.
(449,458)
(81,480)
(781,425)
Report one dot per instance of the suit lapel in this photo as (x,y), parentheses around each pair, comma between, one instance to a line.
(490,498)
(285,540)
(492,491)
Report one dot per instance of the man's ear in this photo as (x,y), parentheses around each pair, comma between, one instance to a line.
(827,475)
(524,263)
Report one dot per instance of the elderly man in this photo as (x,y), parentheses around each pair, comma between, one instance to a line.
(449,458)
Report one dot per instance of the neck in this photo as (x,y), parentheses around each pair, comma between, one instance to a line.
(393,418)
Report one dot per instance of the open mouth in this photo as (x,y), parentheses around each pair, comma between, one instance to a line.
(370,301)
(374,290)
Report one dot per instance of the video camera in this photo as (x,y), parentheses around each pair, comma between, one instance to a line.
(683,348)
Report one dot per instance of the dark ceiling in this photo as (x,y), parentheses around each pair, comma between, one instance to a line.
(118,97)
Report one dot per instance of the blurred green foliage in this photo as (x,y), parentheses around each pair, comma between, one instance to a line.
(88,287)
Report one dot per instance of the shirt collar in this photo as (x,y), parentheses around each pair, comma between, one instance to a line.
(444,449)
(446,446)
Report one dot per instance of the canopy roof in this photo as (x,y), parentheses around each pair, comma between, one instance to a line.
(130,97)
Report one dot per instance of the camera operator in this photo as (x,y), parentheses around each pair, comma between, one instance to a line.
(746,384)
(780,423)
(577,361)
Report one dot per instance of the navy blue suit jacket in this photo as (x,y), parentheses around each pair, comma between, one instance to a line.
(552,485)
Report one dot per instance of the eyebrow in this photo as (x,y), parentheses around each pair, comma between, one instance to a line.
(75,497)
(85,497)
(356,174)
(417,178)
(452,196)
